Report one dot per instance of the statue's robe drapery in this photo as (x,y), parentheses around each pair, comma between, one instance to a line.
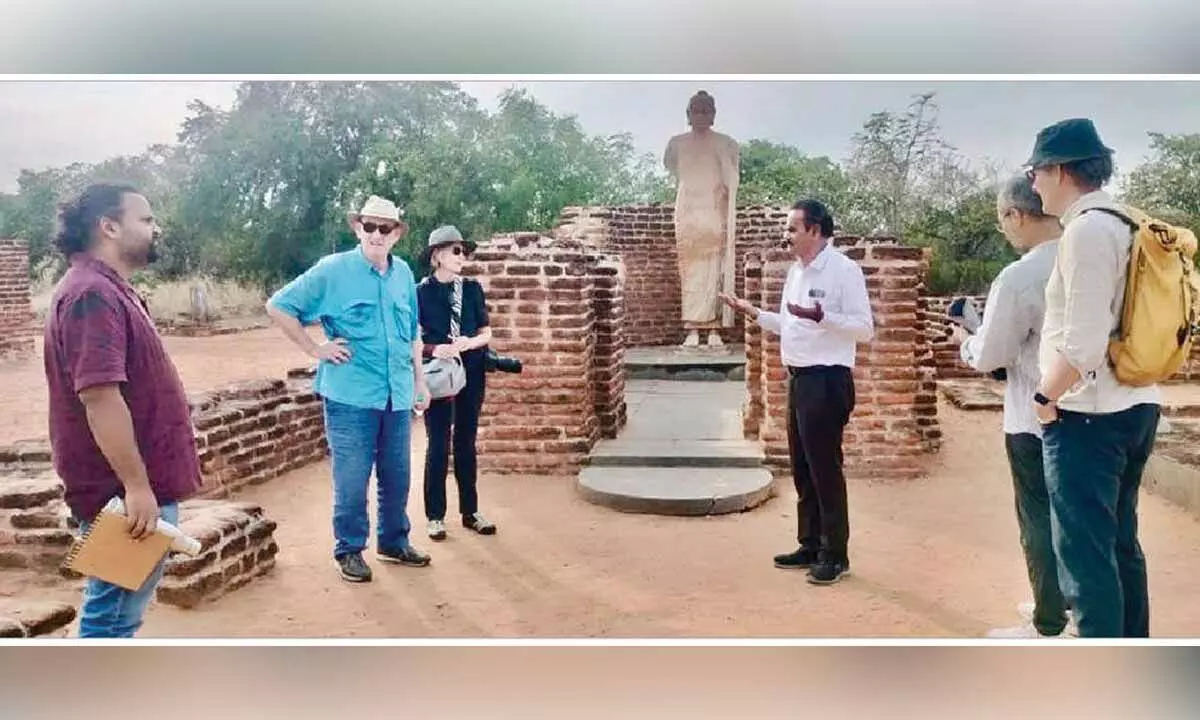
(705,166)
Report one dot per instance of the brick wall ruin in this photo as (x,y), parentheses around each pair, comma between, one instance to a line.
(936,326)
(644,238)
(16,311)
(895,419)
(557,305)
(752,410)
(250,432)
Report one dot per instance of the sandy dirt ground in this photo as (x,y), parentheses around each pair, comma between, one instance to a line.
(938,557)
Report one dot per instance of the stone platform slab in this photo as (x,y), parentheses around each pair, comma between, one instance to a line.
(675,491)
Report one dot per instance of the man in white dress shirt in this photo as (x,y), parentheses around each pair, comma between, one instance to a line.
(1009,338)
(824,313)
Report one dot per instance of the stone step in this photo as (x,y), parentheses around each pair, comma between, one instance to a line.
(692,364)
(672,491)
(668,453)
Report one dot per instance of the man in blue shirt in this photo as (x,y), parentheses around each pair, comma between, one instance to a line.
(369,377)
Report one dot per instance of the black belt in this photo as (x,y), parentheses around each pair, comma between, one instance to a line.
(815,369)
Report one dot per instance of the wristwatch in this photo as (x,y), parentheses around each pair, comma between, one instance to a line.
(1041,399)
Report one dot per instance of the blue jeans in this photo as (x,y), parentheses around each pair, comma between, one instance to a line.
(111,611)
(360,440)
(1094,466)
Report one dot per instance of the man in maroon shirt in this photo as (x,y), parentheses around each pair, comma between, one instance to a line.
(120,424)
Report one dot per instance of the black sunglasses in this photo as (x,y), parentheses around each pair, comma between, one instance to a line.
(457,250)
(370,227)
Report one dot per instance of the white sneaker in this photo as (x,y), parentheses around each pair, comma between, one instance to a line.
(1026,610)
(714,340)
(692,340)
(436,530)
(1021,632)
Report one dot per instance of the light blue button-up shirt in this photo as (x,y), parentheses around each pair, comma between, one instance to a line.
(376,314)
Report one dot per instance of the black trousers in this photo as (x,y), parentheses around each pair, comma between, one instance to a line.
(820,400)
(456,419)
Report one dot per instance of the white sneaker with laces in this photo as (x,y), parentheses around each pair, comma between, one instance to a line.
(436,530)
(479,524)
(1026,610)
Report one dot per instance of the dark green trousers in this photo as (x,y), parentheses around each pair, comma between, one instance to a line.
(1033,519)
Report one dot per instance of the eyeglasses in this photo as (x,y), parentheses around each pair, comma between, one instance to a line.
(370,227)
(457,250)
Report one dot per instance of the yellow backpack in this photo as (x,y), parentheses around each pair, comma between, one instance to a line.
(1159,316)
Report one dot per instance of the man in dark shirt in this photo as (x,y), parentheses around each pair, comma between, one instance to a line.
(120,424)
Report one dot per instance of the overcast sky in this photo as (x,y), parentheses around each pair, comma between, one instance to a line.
(49,124)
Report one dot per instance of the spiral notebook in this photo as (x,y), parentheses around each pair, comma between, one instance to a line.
(107,552)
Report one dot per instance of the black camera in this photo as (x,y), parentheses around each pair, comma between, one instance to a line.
(493,362)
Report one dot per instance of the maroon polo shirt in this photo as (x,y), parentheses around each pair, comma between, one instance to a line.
(98,331)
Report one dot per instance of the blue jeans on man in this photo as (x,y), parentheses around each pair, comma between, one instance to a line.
(362,439)
(1094,466)
(111,611)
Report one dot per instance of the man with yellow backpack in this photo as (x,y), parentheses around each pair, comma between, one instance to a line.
(1121,314)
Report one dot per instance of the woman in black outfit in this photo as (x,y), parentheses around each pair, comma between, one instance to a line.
(445,256)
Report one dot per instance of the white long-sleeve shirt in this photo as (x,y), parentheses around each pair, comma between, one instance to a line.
(836,282)
(1010,335)
(1084,297)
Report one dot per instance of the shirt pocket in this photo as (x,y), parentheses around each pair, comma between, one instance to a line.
(402,314)
(358,320)
(400,306)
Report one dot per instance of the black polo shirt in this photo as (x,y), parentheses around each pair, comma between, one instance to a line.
(434,300)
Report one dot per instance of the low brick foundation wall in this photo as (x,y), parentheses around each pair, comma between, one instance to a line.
(237,545)
(35,530)
(34,618)
(250,432)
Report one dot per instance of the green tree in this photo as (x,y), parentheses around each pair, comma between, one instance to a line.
(776,174)
(1168,184)
(968,248)
(898,162)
